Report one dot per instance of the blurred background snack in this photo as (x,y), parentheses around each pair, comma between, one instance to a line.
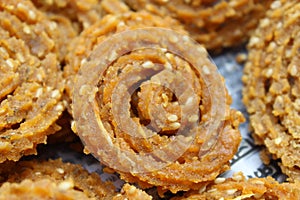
(271,78)
(215,24)
(62,175)
(30,78)
(239,187)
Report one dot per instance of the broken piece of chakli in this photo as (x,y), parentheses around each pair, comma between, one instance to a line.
(149,103)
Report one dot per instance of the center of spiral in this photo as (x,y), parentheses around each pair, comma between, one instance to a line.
(157,108)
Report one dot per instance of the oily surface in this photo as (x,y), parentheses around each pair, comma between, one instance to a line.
(271,92)
(215,24)
(31,82)
(58,173)
(152,76)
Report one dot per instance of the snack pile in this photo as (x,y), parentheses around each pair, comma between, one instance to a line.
(132,83)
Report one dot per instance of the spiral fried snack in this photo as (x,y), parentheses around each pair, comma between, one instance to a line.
(31,83)
(272,84)
(43,189)
(82,13)
(150,104)
(238,187)
(215,24)
(61,175)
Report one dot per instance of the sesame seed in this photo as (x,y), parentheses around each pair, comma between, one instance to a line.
(206,70)
(264,22)
(293,70)
(148,64)
(172,118)
(10,63)
(32,15)
(193,118)
(60,170)
(276,4)
(269,72)
(219,180)
(55,93)
(175,125)
(253,41)
(39,92)
(65,185)
(231,191)
(26,29)
(278,140)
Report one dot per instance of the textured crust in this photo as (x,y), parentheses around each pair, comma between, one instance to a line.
(31,84)
(42,189)
(215,24)
(190,171)
(82,13)
(59,173)
(238,187)
(272,84)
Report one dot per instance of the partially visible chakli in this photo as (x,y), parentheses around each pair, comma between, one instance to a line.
(119,125)
(43,189)
(238,187)
(82,13)
(58,175)
(215,24)
(272,84)
(31,83)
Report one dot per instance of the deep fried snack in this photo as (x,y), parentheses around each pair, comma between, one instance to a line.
(31,83)
(82,13)
(272,84)
(238,187)
(147,108)
(43,189)
(130,192)
(215,24)
(61,174)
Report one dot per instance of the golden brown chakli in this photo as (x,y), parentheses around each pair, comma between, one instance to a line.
(150,104)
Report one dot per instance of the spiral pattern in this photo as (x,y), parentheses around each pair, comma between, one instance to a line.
(150,104)
(271,78)
(215,24)
(31,84)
